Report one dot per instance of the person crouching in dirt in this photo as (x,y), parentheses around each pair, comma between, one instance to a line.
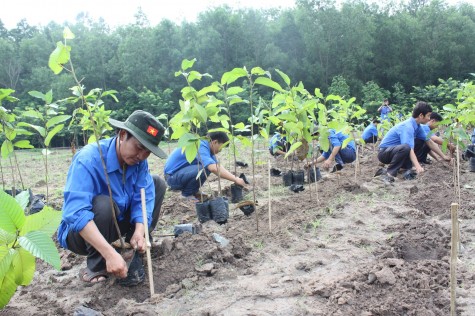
(87,226)
(278,145)
(335,152)
(423,149)
(370,133)
(398,147)
(183,176)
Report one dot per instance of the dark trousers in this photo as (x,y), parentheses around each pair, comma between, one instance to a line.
(185,179)
(371,140)
(101,207)
(398,157)
(421,150)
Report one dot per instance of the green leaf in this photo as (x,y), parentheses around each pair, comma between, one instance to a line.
(191,151)
(23,198)
(269,83)
(185,64)
(7,280)
(12,217)
(67,34)
(6,238)
(208,89)
(59,57)
(7,148)
(284,77)
(53,132)
(37,94)
(23,144)
(201,114)
(41,246)
(24,265)
(47,220)
(57,119)
(233,75)
(41,130)
(178,132)
(258,71)
(449,108)
(234,90)
(293,148)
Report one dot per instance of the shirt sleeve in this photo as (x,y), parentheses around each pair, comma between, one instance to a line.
(205,155)
(334,140)
(144,180)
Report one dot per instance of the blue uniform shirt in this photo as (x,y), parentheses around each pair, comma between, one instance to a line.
(86,179)
(177,159)
(403,133)
(336,139)
(428,133)
(276,142)
(369,131)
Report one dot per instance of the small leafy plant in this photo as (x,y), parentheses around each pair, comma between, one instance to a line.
(22,238)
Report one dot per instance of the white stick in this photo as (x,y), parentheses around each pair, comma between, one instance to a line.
(270,212)
(147,243)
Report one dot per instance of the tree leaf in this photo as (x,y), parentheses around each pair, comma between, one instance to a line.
(38,95)
(67,34)
(12,217)
(41,130)
(40,245)
(6,238)
(22,199)
(59,57)
(57,119)
(191,150)
(284,77)
(53,132)
(185,64)
(7,279)
(7,148)
(24,265)
(234,90)
(201,114)
(47,220)
(23,144)
(233,75)
(269,83)
(293,148)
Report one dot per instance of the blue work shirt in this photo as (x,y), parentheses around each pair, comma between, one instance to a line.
(336,139)
(369,131)
(426,129)
(403,133)
(277,142)
(385,111)
(86,180)
(177,159)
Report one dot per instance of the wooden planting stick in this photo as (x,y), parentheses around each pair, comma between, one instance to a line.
(453,257)
(270,212)
(147,243)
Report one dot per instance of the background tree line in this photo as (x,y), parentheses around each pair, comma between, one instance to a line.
(418,50)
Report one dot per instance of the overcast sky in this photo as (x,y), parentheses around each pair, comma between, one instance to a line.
(117,12)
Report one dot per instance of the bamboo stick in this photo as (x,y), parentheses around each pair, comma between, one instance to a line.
(453,258)
(147,243)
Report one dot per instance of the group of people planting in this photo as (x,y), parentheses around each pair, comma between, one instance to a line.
(103,199)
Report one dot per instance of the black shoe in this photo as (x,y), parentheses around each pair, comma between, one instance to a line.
(336,168)
(136,273)
(380,172)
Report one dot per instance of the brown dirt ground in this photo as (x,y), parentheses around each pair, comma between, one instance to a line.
(346,248)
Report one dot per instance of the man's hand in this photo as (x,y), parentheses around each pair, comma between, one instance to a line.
(327,164)
(138,238)
(116,265)
(240,182)
(419,169)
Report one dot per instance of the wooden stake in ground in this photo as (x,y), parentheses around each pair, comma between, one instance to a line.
(147,243)
(453,257)
(270,212)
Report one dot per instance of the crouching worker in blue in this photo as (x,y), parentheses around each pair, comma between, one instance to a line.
(183,176)
(370,133)
(87,227)
(278,145)
(398,147)
(336,153)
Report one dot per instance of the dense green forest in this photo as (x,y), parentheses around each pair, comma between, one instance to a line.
(418,50)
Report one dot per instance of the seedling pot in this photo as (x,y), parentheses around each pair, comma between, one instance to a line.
(311,175)
(298,177)
(219,209)
(203,211)
(236,193)
(287,178)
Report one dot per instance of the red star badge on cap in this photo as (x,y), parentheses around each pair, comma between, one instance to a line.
(152,131)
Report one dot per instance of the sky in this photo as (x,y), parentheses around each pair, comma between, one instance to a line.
(119,12)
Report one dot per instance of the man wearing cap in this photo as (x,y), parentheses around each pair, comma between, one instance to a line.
(87,227)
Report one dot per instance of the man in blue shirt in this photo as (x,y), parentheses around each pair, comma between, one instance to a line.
(385,109)
(370,133)
(87,227)
(336,153)
(397,149)
(422,145)
(182,175)
(278,145)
